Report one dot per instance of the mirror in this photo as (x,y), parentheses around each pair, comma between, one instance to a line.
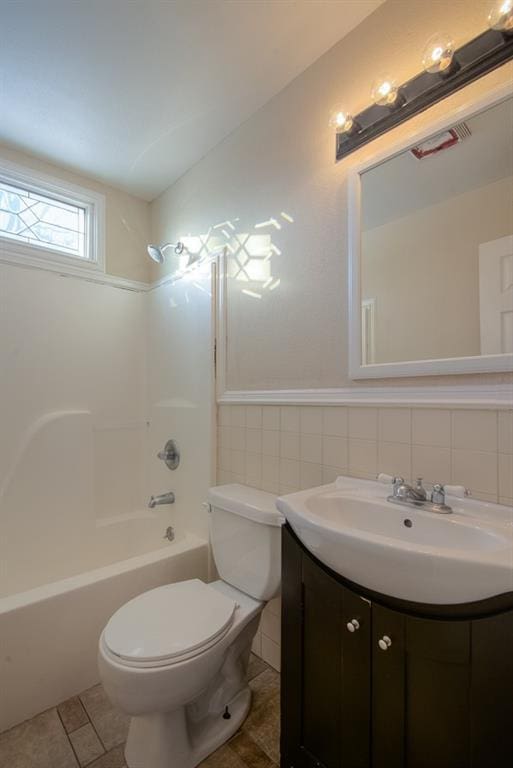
(432,256)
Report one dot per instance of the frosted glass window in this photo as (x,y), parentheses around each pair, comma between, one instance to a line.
(38,220)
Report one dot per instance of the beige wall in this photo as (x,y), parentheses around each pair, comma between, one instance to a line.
(127,218)
(423,272)
(282,159)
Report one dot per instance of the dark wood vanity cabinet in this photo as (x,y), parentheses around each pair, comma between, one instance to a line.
(398,690)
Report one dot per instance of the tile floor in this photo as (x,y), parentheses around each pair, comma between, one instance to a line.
(87,731)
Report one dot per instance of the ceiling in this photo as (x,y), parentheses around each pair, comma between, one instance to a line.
(134,92)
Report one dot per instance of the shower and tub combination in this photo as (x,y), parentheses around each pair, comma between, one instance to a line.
(90,393)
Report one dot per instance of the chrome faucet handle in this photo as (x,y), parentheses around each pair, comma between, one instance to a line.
(438,499)
(397,483)
(438,494)
(170,455)
(419,489)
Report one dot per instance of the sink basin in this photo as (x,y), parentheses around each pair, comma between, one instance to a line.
(405,552)
(368,516)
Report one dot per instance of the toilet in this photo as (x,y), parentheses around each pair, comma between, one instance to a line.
(175,658)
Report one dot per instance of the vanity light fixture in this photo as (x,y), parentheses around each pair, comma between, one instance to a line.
(438,54)
(501,16)
(446,69)
(385,92)
(341,121)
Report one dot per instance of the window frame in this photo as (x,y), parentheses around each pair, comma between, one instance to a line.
(46,257)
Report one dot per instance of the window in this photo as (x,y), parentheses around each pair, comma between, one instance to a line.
(49,221)
(35,219)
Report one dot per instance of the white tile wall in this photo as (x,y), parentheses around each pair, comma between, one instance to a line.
(282,449)
(267,640)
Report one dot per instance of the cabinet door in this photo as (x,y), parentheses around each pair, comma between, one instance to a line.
(322,666)
(421,692)
(325,668)
(356,681)
(437,694)
(336,672)
(388,666)
(421,688)
(492,692)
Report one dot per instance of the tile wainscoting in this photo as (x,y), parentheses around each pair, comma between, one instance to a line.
(282,449)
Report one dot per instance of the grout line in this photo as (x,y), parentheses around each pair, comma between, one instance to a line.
(67,736)
(498,494)
(99,739)
(93,726)
(451,453)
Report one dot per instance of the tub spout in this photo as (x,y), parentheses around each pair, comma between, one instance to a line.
(164,498)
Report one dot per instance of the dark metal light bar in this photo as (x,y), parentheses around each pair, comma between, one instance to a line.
(473,60)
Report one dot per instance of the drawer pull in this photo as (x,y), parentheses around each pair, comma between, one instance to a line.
(385,643)
(353,625)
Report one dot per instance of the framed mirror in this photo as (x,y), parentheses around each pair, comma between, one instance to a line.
(431,249)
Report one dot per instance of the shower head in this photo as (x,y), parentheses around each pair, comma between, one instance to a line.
(156,252)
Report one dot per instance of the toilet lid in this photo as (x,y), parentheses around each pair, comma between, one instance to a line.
(169,622)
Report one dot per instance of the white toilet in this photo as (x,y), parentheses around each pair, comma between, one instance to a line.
(175,658)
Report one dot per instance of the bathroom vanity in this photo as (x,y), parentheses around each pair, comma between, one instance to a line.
(376,681)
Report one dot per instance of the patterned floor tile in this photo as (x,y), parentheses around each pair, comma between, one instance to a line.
(86,744)
(249,752)
(113,759)
(256,666)
(263,726)
(224,757)
(39,743)
(264,687)
(110,724)
(72,714)
(43,743)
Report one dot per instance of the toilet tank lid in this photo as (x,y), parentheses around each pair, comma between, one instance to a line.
(247,502)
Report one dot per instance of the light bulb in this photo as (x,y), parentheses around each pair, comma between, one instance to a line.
(384,91)
(438,53)
(501,16)
(341,121)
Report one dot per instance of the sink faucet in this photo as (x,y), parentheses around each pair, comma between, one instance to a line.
(403,493)
(164,498)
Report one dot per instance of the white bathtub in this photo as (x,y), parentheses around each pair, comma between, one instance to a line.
(49,634)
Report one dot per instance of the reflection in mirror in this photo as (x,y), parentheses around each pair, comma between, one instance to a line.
(437,245)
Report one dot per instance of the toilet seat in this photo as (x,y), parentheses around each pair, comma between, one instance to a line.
(169,624)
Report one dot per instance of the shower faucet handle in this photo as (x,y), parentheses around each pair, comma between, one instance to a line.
(170,455)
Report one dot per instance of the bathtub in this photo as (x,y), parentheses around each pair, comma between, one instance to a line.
(49,634)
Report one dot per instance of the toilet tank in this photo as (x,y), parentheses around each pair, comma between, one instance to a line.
(245,534)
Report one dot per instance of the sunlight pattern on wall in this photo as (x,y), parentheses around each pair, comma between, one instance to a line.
(250,254)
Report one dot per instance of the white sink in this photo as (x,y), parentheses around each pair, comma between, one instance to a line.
(405,552)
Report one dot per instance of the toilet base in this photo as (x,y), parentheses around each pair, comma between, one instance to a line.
(168,740)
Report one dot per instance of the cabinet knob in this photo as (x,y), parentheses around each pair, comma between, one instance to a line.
(353,625)
(385,643)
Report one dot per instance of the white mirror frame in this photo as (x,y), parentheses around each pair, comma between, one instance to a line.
(477,364)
